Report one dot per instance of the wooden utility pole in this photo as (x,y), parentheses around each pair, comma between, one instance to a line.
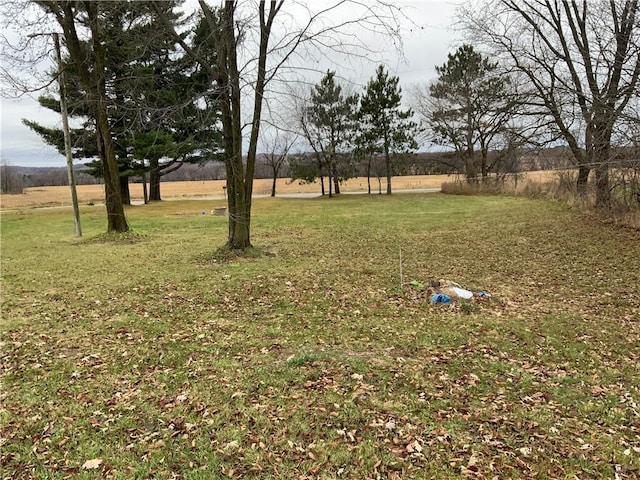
(67,137)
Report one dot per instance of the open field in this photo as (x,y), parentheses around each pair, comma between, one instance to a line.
(59,196)
(150,356)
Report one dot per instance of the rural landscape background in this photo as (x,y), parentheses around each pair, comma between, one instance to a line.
(149,355)
(59,195)
(219,328)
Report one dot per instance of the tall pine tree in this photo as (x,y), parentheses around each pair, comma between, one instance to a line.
(159,113)
(386,129)
(330,123)
(471,106)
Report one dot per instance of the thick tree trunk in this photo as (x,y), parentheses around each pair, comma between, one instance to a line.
(583,178)
(603,193)
(336,184)
(154,181)
(472,175)
(470,166)
(240,235)
(485,163)
(116,220)
(369,177)
(601,156)
(124,190)
(470,160)
(93,83)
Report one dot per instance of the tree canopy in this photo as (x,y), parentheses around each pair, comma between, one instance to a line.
(159,113)
(468,107)
(328,122)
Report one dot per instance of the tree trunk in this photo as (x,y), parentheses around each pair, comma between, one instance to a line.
(470,167)
(241,177)
(320,173)
(145,192)
(485,164)
(275,168)
(583,178)
(116,220)
(154,181)
(93,83)
(470,159)
(387,165)
(600,156)
(603,193)
(330,183)
(369,177)
(336,184)
(124,190)
(240,239)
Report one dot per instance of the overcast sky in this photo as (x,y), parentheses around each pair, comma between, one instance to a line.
(426,44)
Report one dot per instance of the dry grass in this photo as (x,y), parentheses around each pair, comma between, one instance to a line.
(559,185)
(49,196)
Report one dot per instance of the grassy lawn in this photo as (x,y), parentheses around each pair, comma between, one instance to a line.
(151,357)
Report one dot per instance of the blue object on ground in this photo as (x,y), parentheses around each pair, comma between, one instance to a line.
(484,295)
(440,298)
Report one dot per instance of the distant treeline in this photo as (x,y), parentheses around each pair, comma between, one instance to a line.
(16,178)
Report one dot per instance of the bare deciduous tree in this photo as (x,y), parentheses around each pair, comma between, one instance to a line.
(277,145)
(254,51)
(582,59)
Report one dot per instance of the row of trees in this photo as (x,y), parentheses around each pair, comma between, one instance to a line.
(150,87)
(554,73)
(473,108)
(154,92)
(343,130)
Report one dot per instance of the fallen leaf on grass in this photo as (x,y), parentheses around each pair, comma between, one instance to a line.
(232,445)
(92,464)
(156,445)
